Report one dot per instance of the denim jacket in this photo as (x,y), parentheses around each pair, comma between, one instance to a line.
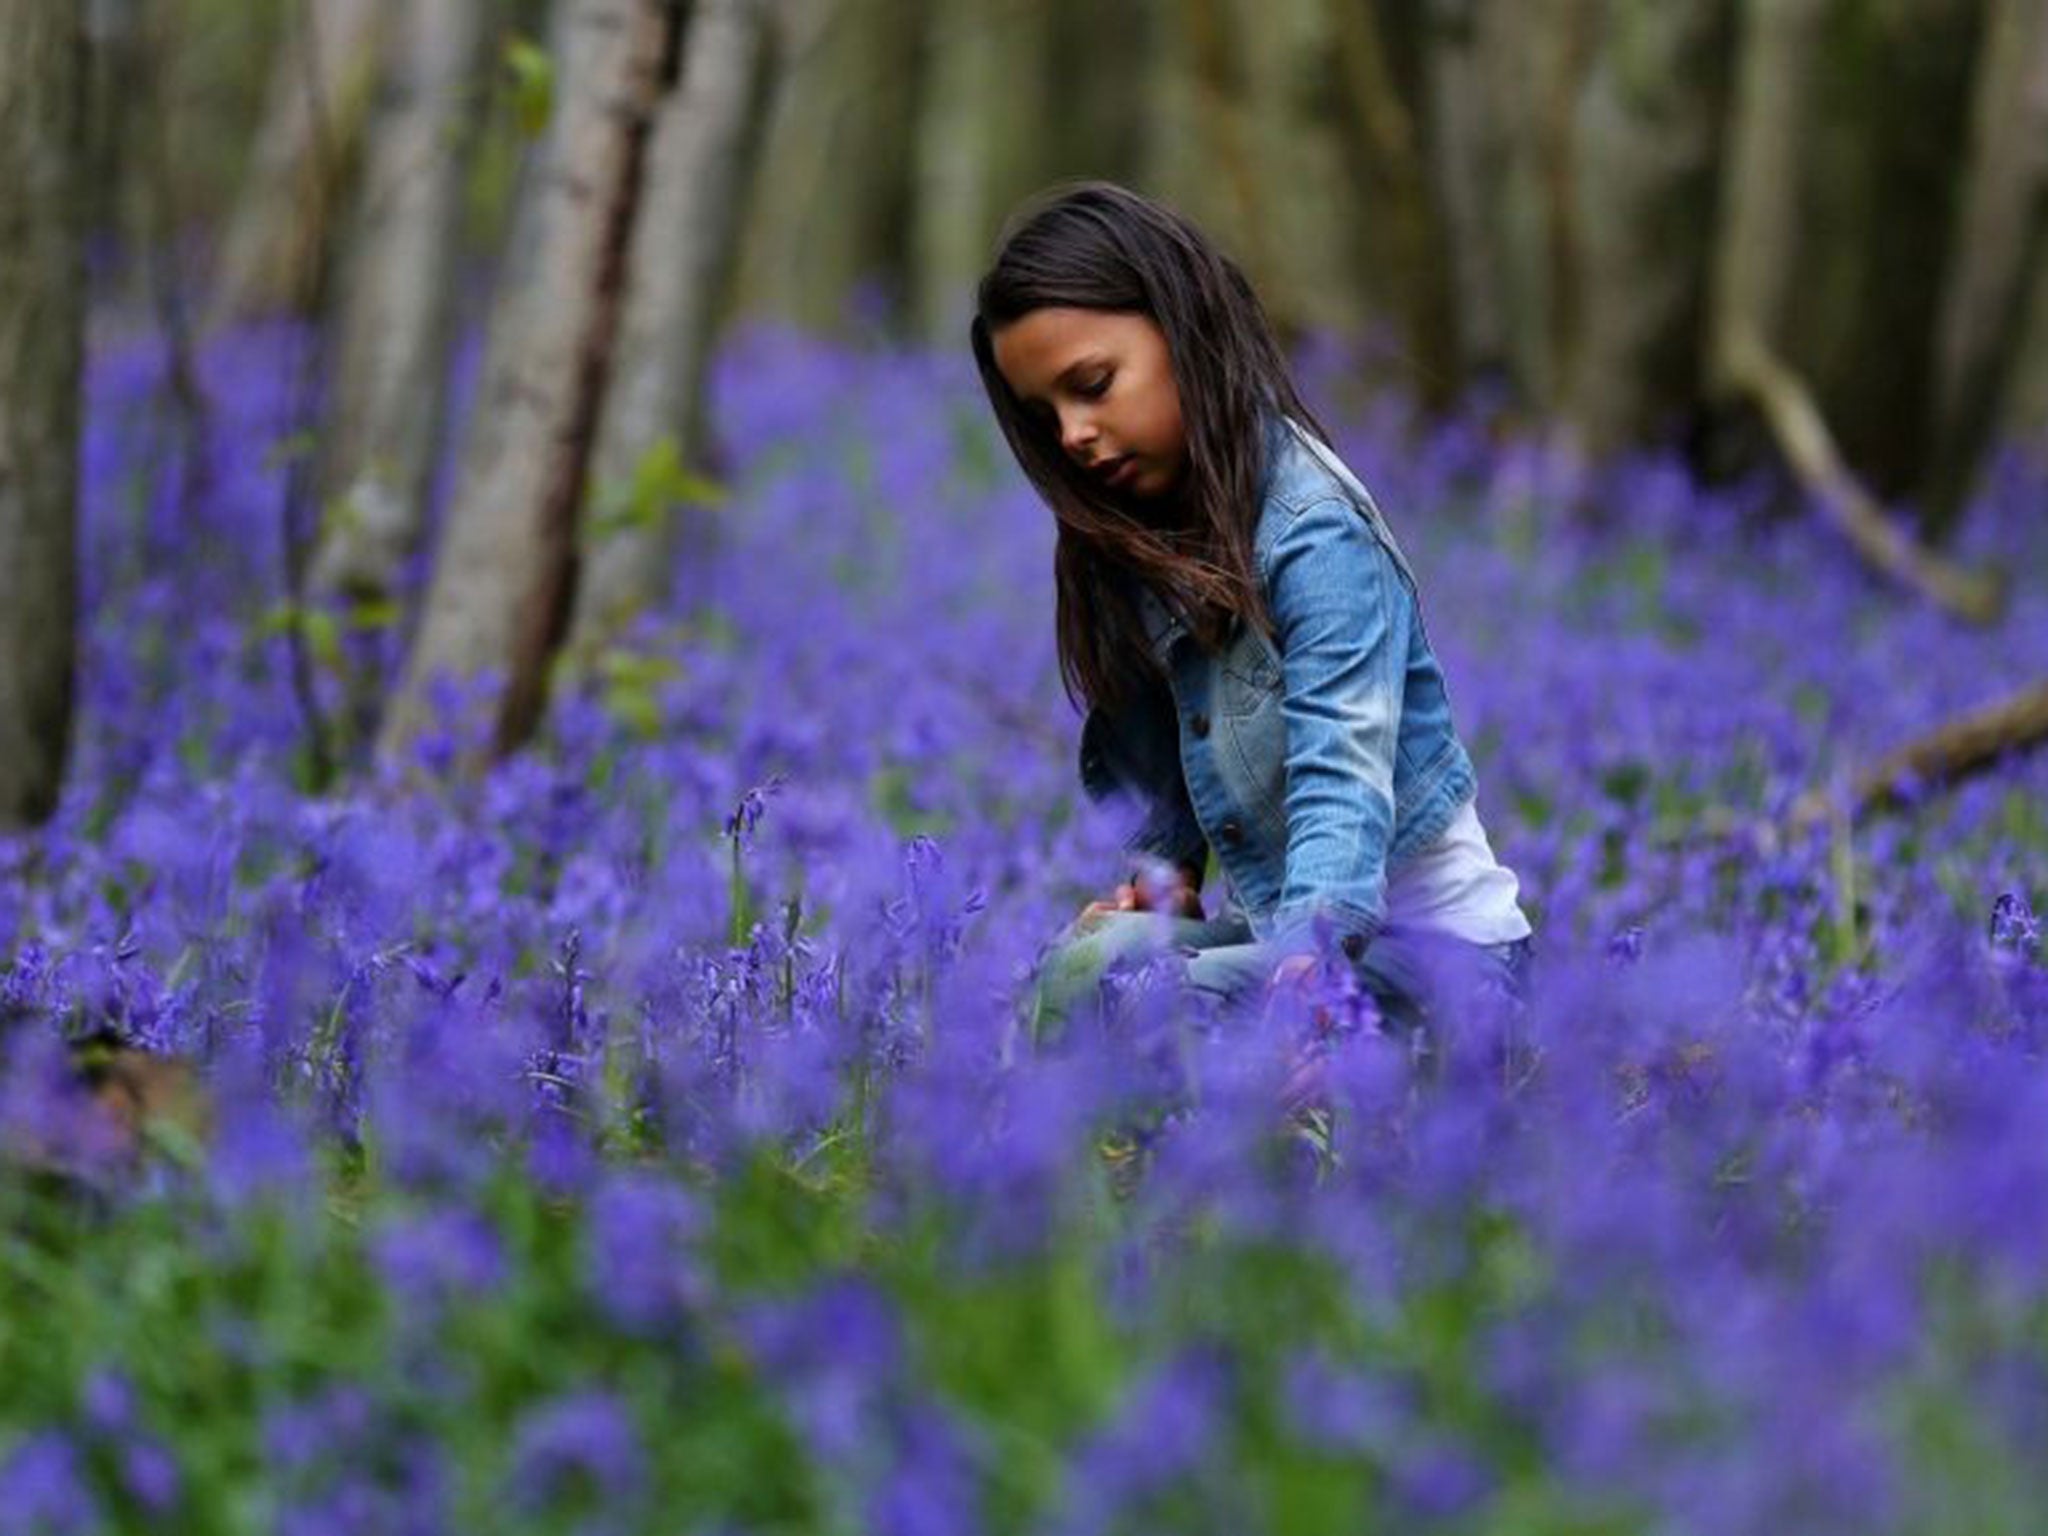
(1311,765)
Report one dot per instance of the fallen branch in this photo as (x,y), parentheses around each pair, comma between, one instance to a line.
(1954,751)
(1751,369)
(1940,759)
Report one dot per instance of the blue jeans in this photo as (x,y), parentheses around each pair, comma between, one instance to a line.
(1401,967)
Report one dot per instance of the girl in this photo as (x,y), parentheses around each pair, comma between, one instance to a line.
(1240,622)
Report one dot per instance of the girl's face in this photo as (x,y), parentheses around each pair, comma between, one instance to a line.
(1101,381)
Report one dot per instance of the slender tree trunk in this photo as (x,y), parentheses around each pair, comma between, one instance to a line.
(2023,412)
(700,171)
(42,316)
(499,601)
(1759,235)
(319,89)
(1761,190)
(1647,140)
(1290,79)
(1534,55)
(834,217)
(1097,125)
(1465,146)
(1886,108)
(977,137)
(383,427)
(1401,232)
(1997,245)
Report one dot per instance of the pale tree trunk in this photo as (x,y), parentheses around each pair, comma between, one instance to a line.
(1465,147)
(1647,137)
(1761,190)
(1290,80)
(505,570)
(2023,411)
(1403,250)
(1886,107)
(700,170)
(1760,230)
(1995,248)
(319,92)
(834,213)
(42,316)
(1200,152)
(983,108)
(1533,55)
(383,426)
(1095,49)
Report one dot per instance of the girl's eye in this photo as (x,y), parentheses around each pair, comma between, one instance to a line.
(1095,389)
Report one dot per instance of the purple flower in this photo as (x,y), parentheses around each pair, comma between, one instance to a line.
(640,1262)
(834,1354)
(1439,1479)
(584,1446)
(1160,1437)
(43,1491)
(1340,1409)
(2014,925)
(438,1257)
(150,1473)
(752,805)
(931,1489)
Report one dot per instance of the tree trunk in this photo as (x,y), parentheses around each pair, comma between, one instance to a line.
(319,90)
(834,216)
(1534,56)
(1886,110)
(1465,147)
(2023,411)
(700,169)
(383,426)
(1401,236)
(1647,139)
(1290,81)
(1761,189)
(1761,227)
(977,125)
(1995,247)
(499,599)
(42,313)
(1093,51)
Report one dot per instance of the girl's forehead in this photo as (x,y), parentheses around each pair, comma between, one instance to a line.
(1037,347)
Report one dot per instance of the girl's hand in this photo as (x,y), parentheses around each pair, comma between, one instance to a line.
(1293,969)
(1178,899)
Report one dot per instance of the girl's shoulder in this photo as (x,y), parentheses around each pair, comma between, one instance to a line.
(1302,472)
(1299,472)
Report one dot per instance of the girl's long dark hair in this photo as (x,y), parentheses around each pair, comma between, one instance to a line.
(1096,245)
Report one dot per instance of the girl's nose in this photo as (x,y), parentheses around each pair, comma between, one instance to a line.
(1077,433)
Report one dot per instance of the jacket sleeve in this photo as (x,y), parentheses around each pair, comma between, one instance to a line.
(1343,614)
(1136,752)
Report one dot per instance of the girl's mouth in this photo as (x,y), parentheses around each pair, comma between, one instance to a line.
(1120,471)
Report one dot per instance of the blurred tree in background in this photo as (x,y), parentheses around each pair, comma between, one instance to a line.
(1796,232)
(42,166)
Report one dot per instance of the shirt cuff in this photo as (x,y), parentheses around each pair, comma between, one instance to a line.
(1319,926)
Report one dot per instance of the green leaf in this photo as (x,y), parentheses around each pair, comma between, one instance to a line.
(288,446)
(659,481)
(533,84)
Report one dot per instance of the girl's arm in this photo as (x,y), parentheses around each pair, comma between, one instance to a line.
(1343,614)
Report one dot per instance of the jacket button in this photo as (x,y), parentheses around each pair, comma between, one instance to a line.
(1231,833)
(1199,725)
